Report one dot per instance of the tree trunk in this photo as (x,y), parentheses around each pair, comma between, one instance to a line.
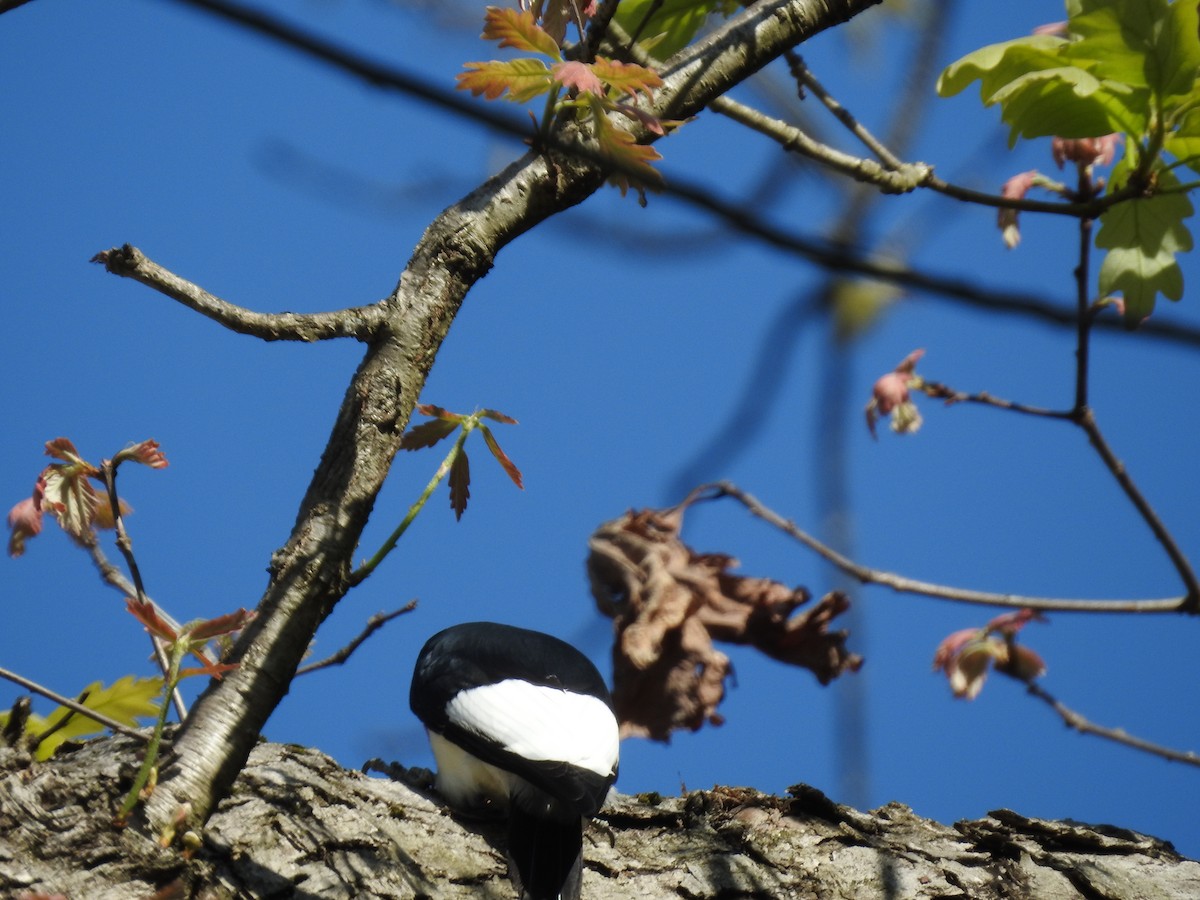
(297,825)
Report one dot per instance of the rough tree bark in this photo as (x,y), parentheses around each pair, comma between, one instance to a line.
(310,573)
(296,825)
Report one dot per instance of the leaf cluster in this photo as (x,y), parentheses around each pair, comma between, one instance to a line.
(443,424)
(1127,67)
(589,91)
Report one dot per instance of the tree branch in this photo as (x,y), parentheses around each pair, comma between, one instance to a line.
(374,623)
(73,705)
(310,573)
(356,322)
(1119,735)
(905,585)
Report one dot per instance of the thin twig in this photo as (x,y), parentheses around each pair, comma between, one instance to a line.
(1083,314)
(125,545)
(73,705)
(374,623)
(939,391)
(1190,603)
(1119,735)
(905,585)
(738,218)
(356,322)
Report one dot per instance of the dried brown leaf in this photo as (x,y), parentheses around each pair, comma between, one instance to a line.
(670,604)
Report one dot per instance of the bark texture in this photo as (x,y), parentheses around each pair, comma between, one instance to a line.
(297,825)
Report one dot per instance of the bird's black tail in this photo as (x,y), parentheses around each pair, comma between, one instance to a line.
(546,856)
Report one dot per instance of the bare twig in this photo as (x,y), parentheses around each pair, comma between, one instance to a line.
(939,391)
(1119,735)
(1086,420)
(125,545)
(905,585)
(10,5)
(357,322)
(374,623)
(72,705)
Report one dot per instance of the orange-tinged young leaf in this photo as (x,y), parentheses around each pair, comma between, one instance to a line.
(517,29)
(633,158)
(145,613)
(211,628)
(427,434)
(630,78)
(62,448)
(460,482)
(496,416)
(430,409)
(215,670)
(523,79)
(147,453)
(501,457)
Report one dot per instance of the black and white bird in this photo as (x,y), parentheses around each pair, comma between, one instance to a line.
(523,722)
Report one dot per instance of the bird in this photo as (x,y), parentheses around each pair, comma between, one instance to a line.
(520,722)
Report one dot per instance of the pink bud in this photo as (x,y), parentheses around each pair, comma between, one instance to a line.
(1085,151)
(25,520)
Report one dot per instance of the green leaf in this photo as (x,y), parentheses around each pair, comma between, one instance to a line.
(460,483)
(1144,43)
(997,64)
(1142,237)
(675,22)
(523,79)
(127,700)
(1069,102)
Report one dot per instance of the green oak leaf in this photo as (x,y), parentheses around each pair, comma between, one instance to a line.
(1144,43)
(674,22)
(1142,237)
(125,700)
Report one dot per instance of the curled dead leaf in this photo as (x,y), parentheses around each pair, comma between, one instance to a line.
(670,604)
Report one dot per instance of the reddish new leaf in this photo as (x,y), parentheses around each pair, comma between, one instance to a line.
(62,448)
(501,457)
(579,77)
(632,159)
(460,482)
(430,409)
(523,79)
(517,29)
(629,78)
(211,628)
(145,613)
(496,416)
(147,453)
(427,434)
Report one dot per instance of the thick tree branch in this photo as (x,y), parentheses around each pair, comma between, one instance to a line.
(357,322)
(310,573)
(904,585)
(816,251)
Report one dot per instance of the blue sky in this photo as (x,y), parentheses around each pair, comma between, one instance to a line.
(622,339)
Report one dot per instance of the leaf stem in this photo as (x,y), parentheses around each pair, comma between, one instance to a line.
(171,682)
(361,573)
